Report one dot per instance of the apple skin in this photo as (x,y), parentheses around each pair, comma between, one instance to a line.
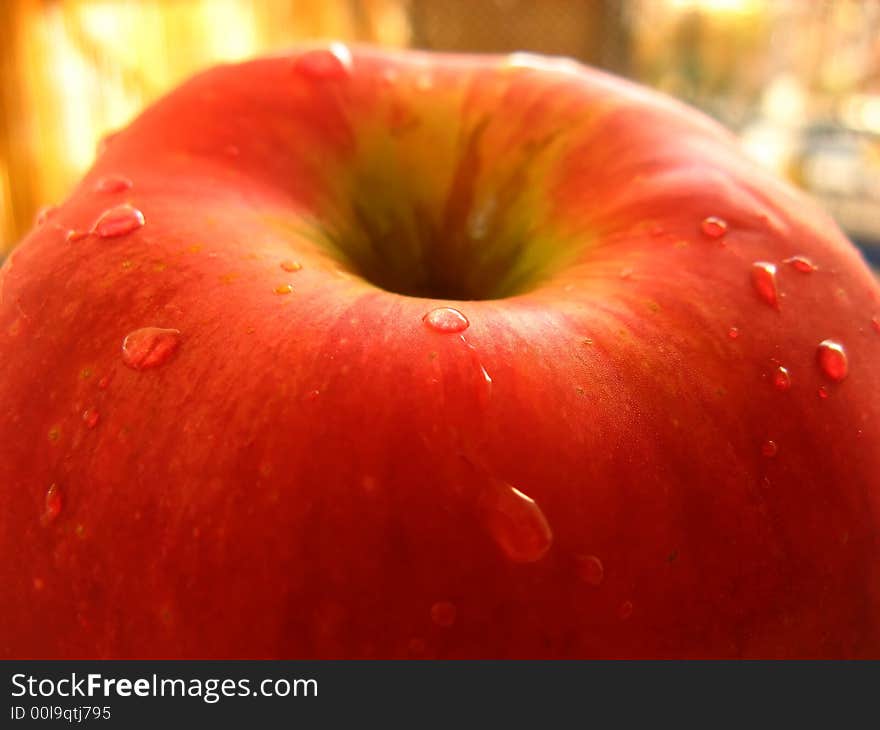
(318,473)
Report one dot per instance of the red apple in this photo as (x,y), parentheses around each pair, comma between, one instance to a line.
(361,354)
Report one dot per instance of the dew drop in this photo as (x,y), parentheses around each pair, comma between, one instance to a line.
(291,266)
(713,227)
(733,333)
(446,319)
(325,64)
(53,504)
(802,264)
(113,184)
(73,235)
(284,289)
(781,378)
(764,282)
(822,392)
(118,221)
(769,449)
(516,523)
(91,417)
(832,360)
(443,613)
(590,569)
(45,213)
(149,347)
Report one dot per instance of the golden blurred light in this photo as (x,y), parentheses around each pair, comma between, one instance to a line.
(73,70)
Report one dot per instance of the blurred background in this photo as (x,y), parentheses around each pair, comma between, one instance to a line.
(799,80)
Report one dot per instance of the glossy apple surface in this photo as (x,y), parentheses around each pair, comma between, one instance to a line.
(352,354)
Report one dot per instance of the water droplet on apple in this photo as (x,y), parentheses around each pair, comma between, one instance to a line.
(764,282)
(52,505)
(113,184)
(333,63)
(516,523)
(73,235)
(149,347)
(781,378)
(822,392)
(291,266)
(590,569)
(713,227)
(446,319)
(832,360)
(733,333)
(284,289)
(45,213)
(443,613)
(91,417)
(802,264)
(312,395)
(118,221)
(769,449)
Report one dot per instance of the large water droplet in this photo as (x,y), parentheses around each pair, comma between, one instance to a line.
(713,227)
(149,347)
(769,449)
(53,504)
(446,319)
(590,569)
(118,221)
(832,360)
(781,378)
(443,613)
(764,281)
(516,523)
(113,184)
(802,264)
(325,64)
